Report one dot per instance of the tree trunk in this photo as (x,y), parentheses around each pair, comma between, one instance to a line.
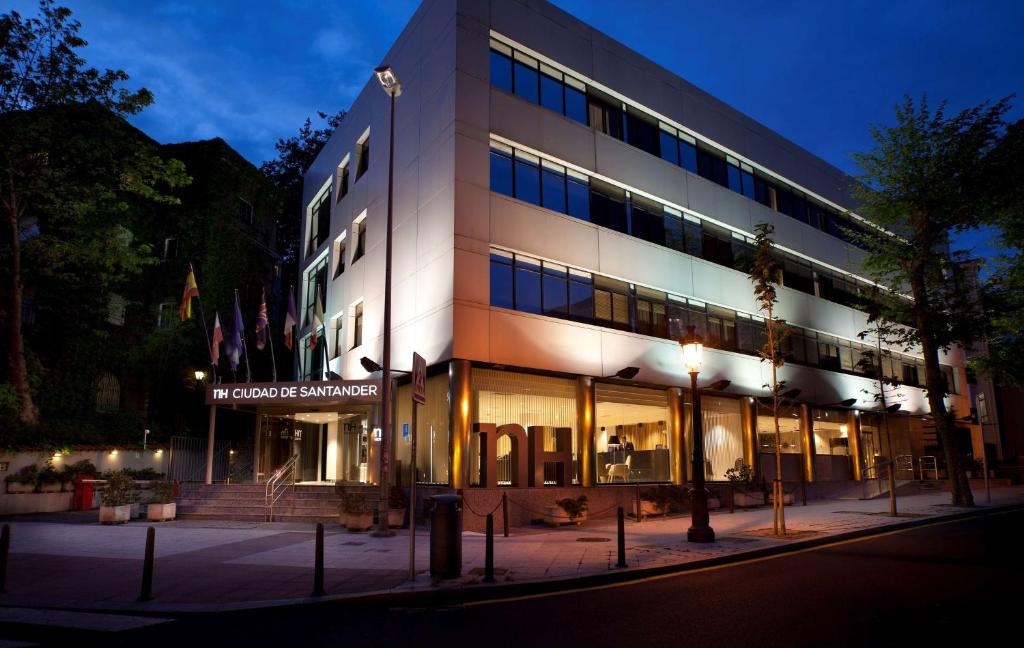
(16,366)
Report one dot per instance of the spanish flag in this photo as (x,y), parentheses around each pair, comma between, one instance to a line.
(191,290)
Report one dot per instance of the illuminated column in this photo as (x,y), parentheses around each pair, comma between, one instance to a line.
(807,440)
(210,440)
(676,428)
(748,416)
(373,446)
(458,448)
(853,434)
(586,440)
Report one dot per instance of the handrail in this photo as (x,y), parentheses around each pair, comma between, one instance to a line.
(927,464)
(278,484)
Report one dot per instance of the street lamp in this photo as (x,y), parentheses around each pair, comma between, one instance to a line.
(700,530)
(389,82)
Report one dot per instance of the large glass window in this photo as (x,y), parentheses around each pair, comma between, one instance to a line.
(526,78)
(831,433)
(527,177)
(605,115)
(641,133)
(555,287)
(789,429)
(633,439)
(578,195)
(527,284)
(501,71)
(611,303)
(553,186)
(551,91)
(319,221)
(501,170)
(581,296)
(432,432)
(608,206)
(576,100)
(651,312)
(723,435)
(647,220)
(502,294)
(316,288)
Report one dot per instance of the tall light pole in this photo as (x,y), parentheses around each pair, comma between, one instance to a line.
(390,83)
(700,529)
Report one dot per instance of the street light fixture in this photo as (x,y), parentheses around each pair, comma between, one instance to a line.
(700,529)
(200,375)
(628,373)
(389,82)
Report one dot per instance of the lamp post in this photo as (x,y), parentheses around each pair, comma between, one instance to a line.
(700,530)
(389,82)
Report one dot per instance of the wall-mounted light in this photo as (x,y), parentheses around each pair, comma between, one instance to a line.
(158,451)
(113,453)
(200,375)
(843,430)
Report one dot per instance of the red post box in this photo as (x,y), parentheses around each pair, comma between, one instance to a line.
(82,498)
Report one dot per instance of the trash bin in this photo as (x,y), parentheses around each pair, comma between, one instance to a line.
(446,536)
(81,500)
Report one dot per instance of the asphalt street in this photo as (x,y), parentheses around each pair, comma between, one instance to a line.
(936,585)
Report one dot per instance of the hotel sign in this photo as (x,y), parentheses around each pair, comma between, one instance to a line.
(332,392)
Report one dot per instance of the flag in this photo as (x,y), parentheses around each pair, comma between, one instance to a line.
(235,344)
(262,322)
(191,290)
(291,320)
(318,321)
(218,337)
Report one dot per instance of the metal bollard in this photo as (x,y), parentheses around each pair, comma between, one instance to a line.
(5,548)
(622,539)
(489,550)
(504,512)
(147,566)
(318,562)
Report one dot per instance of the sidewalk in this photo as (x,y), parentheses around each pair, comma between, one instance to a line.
(211,565)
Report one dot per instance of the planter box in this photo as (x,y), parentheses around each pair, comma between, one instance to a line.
(556,516)
(787,499)
(161,512)
(67,487)
(648,509)
(357,521)
(714,503)
(115,514)
(16,488)
(748,500)
(396,518)
(50,487)
(136,510)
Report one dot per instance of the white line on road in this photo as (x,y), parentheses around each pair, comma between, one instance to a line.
(78,620)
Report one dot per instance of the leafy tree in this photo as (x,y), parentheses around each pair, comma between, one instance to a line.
(764,274)
(925,180)
(72,186)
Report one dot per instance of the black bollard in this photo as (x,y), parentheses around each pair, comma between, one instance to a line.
(504,512)
(622,539)
(5,548)
(147,566)
(318,566)
(489,550)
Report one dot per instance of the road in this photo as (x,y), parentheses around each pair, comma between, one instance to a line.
(936,585)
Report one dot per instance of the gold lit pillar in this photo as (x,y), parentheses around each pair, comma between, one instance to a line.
(459,384)
(748,416)
(676,434)
(853,434)
(586,430)
(807,440)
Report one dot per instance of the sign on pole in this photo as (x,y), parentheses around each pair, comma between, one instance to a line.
(419,379)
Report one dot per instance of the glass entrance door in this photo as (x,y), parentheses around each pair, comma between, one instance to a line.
(355,448)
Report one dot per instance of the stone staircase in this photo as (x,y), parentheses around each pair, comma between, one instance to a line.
(246,502)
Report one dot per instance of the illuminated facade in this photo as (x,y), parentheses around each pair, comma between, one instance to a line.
(564,208)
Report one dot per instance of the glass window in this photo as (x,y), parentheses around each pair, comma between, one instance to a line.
(651,312)
(556,290)
(605,116)
(669,146)
(693,237)
(647,220)
(789,433)
(831,438)
(501,71)
(611,303)
(527,284)
(723,435)
(633,438)
(432,421)
(721,328)
(357,329)
(501,280)
(608,206)
(641,133)
(527,178)
(526,79)
(553,188)
(501,172)
(581,296)
(578,196)
(575,101)
(733,172)
(747,179)
(688,156)
(362,157)
(551,94)
(673,225)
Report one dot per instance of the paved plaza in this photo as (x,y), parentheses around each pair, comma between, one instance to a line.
(68,560)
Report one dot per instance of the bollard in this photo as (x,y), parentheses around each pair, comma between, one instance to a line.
(318,562)
(147,566)
(489,550)
(504,512)
(622,539)
(5,548)
(732,497)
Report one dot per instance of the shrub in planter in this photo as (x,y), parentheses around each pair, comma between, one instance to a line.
(573,509)
(397,503)
(49,479)
(744,492)
(658,500)
(354,510)
(163,506)
(23,481)
(118,496)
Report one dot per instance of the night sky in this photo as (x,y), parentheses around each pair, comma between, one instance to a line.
(820,73)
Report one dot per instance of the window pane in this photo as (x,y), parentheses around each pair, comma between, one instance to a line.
(575,105)
(642,134)
(581,301)
(526,82)
(554,190)
(688,156)
(501,71)
(620,310)
(648,222)
(694,238)
(673,232)
(579,198)
(608,209)
(501,173)
(527,181)
(748,184)
(669,147)
(734,178)
(501,282)
(527,286)
(551,94)
(555,295)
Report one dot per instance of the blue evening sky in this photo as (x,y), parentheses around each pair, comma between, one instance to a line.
(818,72)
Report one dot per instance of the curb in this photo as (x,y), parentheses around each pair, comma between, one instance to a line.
(480,593)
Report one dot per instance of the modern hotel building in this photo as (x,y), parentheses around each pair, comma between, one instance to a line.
(563,209)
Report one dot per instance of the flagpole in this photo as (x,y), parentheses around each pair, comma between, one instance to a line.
(202,316)
(270,338)
(245,350)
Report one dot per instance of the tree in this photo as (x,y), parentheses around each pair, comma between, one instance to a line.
(924,181)
(68,195)
(764,274)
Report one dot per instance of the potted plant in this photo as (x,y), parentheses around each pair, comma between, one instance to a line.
(354,510)
(23,481)
(118,496)
(162,507)
(49,479)
(397,504)
(573,509)
(741,478)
